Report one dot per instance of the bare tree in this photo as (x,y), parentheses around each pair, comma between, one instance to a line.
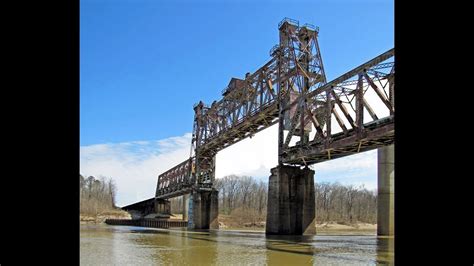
(96,195)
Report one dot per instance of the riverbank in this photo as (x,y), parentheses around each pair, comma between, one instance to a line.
(334,228)
(331,229)
(102,216)
(227,222)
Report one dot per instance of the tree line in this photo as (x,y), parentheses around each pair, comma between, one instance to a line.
(96,195)
(345,203)
(245,198)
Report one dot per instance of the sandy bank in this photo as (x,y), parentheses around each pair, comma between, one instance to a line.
(102,216)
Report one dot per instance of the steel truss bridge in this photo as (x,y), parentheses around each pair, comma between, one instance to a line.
(317,120)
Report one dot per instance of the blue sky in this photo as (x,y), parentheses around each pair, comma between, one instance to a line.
(143,64)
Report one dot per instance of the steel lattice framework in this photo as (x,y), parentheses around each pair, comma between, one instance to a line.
(318,120)
(346,101)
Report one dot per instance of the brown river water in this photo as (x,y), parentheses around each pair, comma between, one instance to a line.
(128,245)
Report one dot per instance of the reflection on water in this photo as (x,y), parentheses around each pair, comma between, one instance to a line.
(127,245)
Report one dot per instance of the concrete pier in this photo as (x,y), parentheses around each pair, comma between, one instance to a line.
(386,191)
(162,206)
(291,202)
(162,209)
(203,210)
(185,207)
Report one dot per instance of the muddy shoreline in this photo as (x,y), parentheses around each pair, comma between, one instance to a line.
(101,217)
(228,224)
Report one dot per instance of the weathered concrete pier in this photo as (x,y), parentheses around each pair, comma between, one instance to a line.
(203,210)
(291,205)
(386,191)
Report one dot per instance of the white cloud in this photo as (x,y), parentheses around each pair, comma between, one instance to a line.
(252,156)
(136,165)
(355,169)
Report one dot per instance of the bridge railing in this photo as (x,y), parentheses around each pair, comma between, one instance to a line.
(289,20)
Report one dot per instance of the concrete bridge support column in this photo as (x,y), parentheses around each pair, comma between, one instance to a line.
(185,207)
(386,192)
(203,210)
(291,202)
(162,206)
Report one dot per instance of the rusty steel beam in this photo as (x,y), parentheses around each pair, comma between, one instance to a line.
(176,179)
(371,138)
(346,76)
(341,144)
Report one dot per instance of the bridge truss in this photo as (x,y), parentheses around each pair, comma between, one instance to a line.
(318,120)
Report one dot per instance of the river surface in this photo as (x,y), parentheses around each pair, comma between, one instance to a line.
(129,245)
